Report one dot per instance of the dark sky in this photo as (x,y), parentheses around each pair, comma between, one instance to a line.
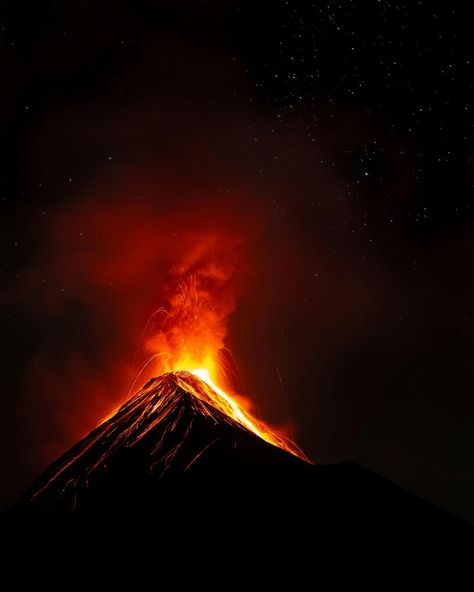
(335,138)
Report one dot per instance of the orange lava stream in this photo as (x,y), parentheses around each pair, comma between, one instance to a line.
(188,334)
(226,404)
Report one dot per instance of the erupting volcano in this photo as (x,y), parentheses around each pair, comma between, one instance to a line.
(178,419)
(167,427)
(184,478)
(177,482)
(188,334)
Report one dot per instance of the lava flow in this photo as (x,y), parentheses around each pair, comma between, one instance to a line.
(188,335)
(181,414)
(226,404)
(173,422)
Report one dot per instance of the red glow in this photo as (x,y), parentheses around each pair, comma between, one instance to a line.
(191,330)
(105,270)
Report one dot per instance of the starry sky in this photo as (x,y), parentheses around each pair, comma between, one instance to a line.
(337,136)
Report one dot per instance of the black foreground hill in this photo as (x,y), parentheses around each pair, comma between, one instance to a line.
(170,485)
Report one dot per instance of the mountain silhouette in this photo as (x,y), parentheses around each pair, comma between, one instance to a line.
(173,485)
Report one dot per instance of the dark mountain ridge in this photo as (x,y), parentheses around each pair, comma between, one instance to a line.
(173,483)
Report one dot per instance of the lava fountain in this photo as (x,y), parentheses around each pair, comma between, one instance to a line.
(188,334)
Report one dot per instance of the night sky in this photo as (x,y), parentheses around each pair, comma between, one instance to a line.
(335,139)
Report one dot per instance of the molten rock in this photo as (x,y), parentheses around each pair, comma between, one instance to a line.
(176,421)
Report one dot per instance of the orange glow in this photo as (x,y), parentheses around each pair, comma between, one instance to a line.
(189,332)
(225,403)
(188,335)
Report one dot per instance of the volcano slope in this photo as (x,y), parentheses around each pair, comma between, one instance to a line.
(172,484)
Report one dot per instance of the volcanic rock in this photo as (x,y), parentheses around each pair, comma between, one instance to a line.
(171,485)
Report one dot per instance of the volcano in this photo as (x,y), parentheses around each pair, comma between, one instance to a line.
(174,484)
(173,426)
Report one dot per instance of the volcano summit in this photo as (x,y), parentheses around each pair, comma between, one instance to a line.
(175,422)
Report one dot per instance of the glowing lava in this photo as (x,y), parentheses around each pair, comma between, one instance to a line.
(226,404)
(188,334)
(171,424)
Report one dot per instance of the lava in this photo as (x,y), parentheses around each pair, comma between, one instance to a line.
(159,428)
(224,402)
(188,333)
